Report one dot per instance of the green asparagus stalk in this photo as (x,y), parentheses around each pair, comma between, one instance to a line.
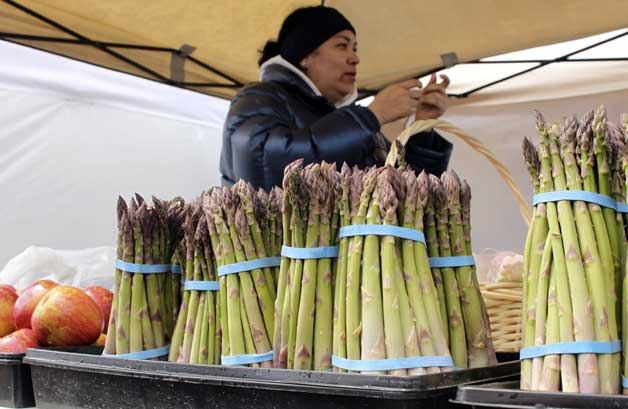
(373,338)
(564,175)
(390,292)
(592,234)
(550,380)
(298,196)
(324,297)
(457,337)
(431,238)
(304,325)
(153,294)
(194,302)
(187,256)
(471,299)
(251,238)
(542,311)
(540,231)
(410,277)
(123,319)
(110,343)
(137,289)
(232,329)
(340,290)
(239,234)
(284,294)
(429,293)
(282,284)
(366,184)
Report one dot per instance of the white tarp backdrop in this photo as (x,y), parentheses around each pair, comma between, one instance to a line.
(74,136)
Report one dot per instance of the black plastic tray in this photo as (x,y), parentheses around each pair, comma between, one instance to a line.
(16,388)
(70,380)
(508,395)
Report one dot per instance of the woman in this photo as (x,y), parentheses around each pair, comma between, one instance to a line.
(303,107)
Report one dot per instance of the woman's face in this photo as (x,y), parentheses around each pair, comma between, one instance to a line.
(332,67)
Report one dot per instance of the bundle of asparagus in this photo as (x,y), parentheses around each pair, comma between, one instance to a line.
(302,336)
(242,244)
(572,259)
(142,312)
(462,310)
(384,290)
(197,335)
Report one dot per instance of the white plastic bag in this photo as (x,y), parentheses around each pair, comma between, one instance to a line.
(80,268)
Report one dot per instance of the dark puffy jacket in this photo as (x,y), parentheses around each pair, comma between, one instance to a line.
(279,120)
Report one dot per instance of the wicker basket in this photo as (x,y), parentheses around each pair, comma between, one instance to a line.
(503,304)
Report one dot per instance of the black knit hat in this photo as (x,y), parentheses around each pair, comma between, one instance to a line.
(303,31)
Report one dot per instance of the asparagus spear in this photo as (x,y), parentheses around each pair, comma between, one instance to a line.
(390,291)
(457,337)
(123,319)
(324,297)
(550,380)
(592,234)
(282,282)
(429,294)
(431,238)
(340,290)
(110,343)
(298,196)
(292,223)
(366,184)
(471,299)
(251,238)
(373,345)
(256,325)
(306,310)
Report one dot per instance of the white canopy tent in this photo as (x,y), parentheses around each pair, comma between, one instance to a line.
(73,136)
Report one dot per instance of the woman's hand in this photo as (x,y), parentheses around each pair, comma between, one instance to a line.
(396,101)
(433,100)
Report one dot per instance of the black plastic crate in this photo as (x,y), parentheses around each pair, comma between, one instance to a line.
(508,395)
(16,388)
(70,380)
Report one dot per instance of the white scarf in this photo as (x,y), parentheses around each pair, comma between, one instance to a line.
(279,60)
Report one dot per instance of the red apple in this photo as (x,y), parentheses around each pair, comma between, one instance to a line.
(103,298)
(28,300)
(7,303)
(18,342)
(66,316)
(9,287)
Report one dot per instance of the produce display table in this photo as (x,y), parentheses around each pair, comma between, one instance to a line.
(16,389)
(508,395)
(92,381)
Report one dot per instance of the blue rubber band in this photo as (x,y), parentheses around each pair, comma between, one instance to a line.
(456,261)
(248,265)
(142,268)
(246,359)
(577,195)
(391,364)
(622,207)
(309,253)
(624,382)
(578,347)
(381,230)
(201,286)
(148,354)
(176,269)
